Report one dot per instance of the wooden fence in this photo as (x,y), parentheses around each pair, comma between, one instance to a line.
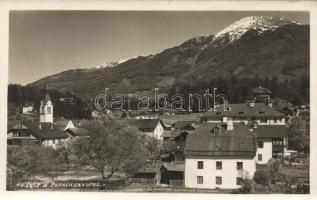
(148,181)
(177,182)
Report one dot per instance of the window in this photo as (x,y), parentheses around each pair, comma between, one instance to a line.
(218,180)
(239,165)
(239,181)
(277,141)
(200,179)
(263,120)
(200,165)
(260,144)
(259,157)
(49,110)
(219,165)
(275,120)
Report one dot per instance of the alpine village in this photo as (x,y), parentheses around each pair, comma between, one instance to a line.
(255,140)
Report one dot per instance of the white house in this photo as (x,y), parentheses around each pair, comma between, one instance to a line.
(27,109)
(148,127)
(271,142)
(217,155)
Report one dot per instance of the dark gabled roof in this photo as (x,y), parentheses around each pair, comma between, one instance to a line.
(44,130)
(19,126)
(182,133)
(144,125)
(61,122)
(77,131)
(183,124)
(169,134)
(237,142)
(260,110)
(271,131)
(261,90)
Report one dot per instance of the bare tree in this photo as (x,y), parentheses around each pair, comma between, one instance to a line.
(110,147)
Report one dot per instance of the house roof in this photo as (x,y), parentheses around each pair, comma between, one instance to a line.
(77,131)
(61,122)
(260,110)
(182,133)
(44,130)
(237,142)
(169,134)
(183,124)
(19,126)
(273,131)
(144,125)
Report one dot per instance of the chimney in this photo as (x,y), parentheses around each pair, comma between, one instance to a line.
(269,103)
(229,124)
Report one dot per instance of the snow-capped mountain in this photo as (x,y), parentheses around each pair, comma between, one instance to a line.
(257,23)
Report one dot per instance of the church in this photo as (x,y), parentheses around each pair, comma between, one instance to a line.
(43,131)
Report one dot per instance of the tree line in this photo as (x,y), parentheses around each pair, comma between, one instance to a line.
(19,96)
(238,90)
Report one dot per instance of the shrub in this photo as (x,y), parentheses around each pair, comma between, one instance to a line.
(273,168)
(247,184)
(262,177)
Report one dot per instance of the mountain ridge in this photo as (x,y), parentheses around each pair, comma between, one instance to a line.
(280,52)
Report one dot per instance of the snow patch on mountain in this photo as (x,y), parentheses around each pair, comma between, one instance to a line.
(258,23)
(115,63)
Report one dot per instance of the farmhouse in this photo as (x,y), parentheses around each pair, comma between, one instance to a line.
(18,133)
(218,154)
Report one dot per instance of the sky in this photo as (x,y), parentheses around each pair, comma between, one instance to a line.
(43,43)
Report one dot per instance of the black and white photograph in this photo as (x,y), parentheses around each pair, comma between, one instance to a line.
(159,101)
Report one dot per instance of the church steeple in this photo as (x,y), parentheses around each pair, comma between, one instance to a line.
(46,107)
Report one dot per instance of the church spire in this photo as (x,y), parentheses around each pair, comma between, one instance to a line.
(46,95)
(46,108)
(45,87)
